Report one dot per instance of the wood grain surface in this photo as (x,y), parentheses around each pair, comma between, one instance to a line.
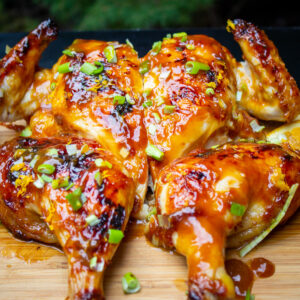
(30,271)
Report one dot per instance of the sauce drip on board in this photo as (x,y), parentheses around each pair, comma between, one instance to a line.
(261,267)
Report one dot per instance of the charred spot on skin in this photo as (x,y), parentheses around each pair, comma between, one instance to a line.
(211,76)
(198,175)
(90,295)
(102,226)
(123,109)
(118,217)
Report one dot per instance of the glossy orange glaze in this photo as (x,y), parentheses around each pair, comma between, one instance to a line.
(194,197)
(28,212)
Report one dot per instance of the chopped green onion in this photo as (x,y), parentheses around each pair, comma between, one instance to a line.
(60,183)
(154,152)
(46,169)
(144,67)
(182,35)
(98,178)
(115,236)
(168,36)
(26,132)
(156,117)
(74,199)
(110,54)
(68,52)
(52,152)
(18,153)
(160,101)
(88,68)
(151,213)
(169,109)
(209,91)
(130,284)
(119,99)
(129,99)
(93,262)
(249,296)
(147,103)
(71,149)
(52,86)
(129,43)
(39,183)
(34,160)
(98,70)
(47,178)
(92,220)
(65,68)
(156,47)
(237,209)
(55,184)
(71,184)
(7,49)
(239,96)
(274,222)
(103,163)
(152,129)
(98,63)
(190,46)
(255,126)
(193,67)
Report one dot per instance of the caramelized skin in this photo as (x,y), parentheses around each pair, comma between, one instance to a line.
(18,74)
(194,197)
(269,92)
(46,215)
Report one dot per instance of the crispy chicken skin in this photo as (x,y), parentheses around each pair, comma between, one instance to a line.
(44,214)
(194,197)
(21,86)
(269,92)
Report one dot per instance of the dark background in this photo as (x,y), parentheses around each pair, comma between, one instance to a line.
(23,15)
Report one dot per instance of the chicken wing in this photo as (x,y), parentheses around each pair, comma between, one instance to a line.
(69,192)
(223,197)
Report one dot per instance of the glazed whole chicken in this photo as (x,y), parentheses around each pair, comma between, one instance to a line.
(80,169)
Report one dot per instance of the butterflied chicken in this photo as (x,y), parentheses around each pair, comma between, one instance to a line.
(68,192)
(221,198)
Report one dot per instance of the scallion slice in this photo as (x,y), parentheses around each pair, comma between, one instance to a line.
(156,47)
(52,86)
(193,67)
(119,99)
(274,223)
(110,54)
(92,220)
(93,262)
(249,296)
(52,152)
(34,160)
(144,67)
(68,52)
(64,68)
(129,43)
(46,169)
(190,46)
(156,117)
(237,209)
(169,109)
(115,236)
(255,126)
(103,163)
(130,284)
(182,35)
(46,178)
(209,91)
(74,199)
(26,132)
(154,152)
(147,103)
(98,178)
(129,99)
(88,68)
(39,183)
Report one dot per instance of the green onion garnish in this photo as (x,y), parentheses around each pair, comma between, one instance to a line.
(26,132)
(39,183)
(7,49)
(160,101)
(168,36)
(237,209)
(129,99)
(71,149)
(209,91)
(47,178)
(182,35)
(169,109)
(100,69)
(98,178)
(65,68)
(92,220)
(193,67)
(129,43)
(93,262)
(46,169)
(274,223)
(152,129)
(88,68)
(110,54)
(119,99)
(55,184)
(190,46)
(34,160)
(103,163)
(156,47)
(74,199)
(249,296)
(147,103)
(130,283)
(52,86)
(52,152)
(151,213)
(255,126)
(71,184)
(154,152)
(156,117)
(144,67)
(68,52)
(60,183)
(115,236)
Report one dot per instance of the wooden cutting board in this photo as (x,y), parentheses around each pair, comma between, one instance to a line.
(30,271)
